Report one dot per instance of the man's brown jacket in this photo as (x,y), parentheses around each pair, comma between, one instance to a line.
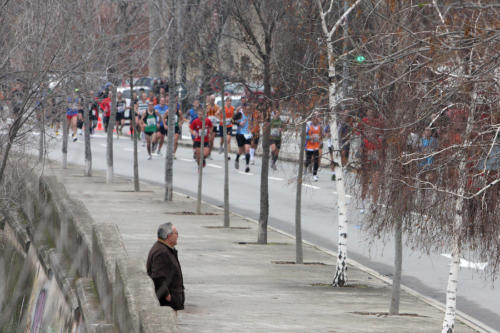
(165,270)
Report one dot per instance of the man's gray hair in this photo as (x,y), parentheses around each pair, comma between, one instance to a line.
(164,230)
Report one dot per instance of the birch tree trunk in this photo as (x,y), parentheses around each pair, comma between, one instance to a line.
(341,269)
(451,290)
(65,124)
(299,258)
(345,66)
(88,152)
(398,263)
(200,164)
(134,137)
(109,143)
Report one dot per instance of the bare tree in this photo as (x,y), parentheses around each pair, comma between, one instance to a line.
(131,31)
(203,45)
(257,22)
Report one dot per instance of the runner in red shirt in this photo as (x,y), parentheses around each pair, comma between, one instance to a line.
(196,128)
(106,109)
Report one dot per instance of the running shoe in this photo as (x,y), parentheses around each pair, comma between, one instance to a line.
(247,169)
(252,162)
(74,138)
(150,157)
(333,177)
(315,178)
(204,163)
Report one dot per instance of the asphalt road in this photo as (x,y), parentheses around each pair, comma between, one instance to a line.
(428,274)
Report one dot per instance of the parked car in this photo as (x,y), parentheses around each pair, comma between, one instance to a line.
(126,82)
(145,81)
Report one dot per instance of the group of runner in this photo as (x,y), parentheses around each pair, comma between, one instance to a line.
(243,123)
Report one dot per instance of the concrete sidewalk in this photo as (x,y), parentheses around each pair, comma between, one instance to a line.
(234,285)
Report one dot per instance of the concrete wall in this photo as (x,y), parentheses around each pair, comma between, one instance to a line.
(79,260)
(34,300)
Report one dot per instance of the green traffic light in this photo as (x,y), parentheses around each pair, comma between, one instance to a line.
(360,59)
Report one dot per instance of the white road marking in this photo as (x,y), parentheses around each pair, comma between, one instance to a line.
(214,166)
(132,149)
(98,136)
(468,264)
(347,195)
(186,159)
(311,186)
(103,145)
(276,178)
(245,173)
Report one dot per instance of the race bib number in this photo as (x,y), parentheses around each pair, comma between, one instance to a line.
(229,121)
(203,132)
(151,121)
(315,137)
(247,136)
(275,132)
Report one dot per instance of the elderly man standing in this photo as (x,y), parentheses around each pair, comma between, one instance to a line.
(164,268)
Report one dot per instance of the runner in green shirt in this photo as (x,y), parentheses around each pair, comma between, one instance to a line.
(150,124)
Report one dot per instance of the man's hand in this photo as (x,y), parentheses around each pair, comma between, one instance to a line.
(168,298)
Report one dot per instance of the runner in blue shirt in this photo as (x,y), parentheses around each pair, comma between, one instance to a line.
(243,137)
(162,109)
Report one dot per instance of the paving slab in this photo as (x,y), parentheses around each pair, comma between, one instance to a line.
(235,285)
